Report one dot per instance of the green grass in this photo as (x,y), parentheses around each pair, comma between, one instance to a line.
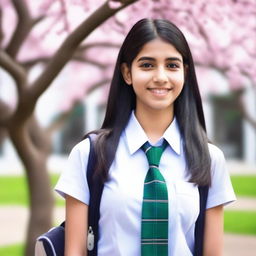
(244,185)
(14,190)
(12,250)
(240,222)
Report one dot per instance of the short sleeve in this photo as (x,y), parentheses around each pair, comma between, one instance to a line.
(73,180)
(221,190)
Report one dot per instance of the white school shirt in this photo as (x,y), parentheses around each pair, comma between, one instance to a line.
(121,203)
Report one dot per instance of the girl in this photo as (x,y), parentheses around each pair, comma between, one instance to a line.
(154,100)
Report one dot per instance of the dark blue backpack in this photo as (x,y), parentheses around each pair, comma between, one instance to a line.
(52,243)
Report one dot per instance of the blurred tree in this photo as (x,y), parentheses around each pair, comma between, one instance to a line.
(28,137)
(48,34)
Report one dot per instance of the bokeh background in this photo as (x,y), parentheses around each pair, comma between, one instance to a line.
(56,64)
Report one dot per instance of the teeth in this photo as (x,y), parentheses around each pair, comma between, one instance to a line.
(159,91)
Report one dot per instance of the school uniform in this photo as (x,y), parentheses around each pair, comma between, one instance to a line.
(121,203)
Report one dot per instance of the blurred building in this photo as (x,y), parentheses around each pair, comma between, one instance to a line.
(228,128)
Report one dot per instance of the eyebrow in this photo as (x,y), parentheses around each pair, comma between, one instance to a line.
(153,59)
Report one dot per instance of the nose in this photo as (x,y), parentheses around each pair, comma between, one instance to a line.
(160,76)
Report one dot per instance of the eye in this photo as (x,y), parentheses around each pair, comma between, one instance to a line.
(173,65)
(146,65)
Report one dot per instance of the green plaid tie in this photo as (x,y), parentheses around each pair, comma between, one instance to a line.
(154,227)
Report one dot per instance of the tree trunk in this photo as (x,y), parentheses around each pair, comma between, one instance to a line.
(2,135)
(41,201)
(39,187)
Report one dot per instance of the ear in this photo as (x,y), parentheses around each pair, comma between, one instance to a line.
(126,72)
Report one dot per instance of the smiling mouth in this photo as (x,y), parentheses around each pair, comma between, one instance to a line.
(159,91)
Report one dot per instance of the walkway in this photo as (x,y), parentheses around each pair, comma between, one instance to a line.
(13,223)
(243,204)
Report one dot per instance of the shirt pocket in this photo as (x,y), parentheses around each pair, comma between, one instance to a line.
(187,197)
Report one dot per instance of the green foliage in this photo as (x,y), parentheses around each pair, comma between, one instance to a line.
(14,190)
(240,222)
(244,185)
(12,250)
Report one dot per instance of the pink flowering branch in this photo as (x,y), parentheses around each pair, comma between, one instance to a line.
(63,55)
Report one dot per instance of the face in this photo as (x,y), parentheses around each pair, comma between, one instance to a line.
(156,75)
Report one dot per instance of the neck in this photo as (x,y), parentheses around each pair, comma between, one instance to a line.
(154,122)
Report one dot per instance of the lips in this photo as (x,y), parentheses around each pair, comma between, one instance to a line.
(159,91)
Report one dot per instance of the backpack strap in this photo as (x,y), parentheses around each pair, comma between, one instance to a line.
(96,188)
(199,227)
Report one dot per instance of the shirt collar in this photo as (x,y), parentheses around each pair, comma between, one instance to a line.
(173,137)
(136,137)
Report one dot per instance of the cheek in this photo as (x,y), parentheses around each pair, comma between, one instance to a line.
(177,79)
(139,77)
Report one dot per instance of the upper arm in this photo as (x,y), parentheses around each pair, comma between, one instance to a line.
(213,236)
(76,227)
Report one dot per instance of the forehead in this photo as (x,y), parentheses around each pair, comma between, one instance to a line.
(158,48)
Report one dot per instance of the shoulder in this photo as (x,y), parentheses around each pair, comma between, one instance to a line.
(216,153)
(81,150)
(218,161)
(82,146)
(73,179)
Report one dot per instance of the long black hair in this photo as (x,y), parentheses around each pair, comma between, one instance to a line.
(187,107)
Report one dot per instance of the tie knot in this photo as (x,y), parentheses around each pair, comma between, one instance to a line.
(154,153)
